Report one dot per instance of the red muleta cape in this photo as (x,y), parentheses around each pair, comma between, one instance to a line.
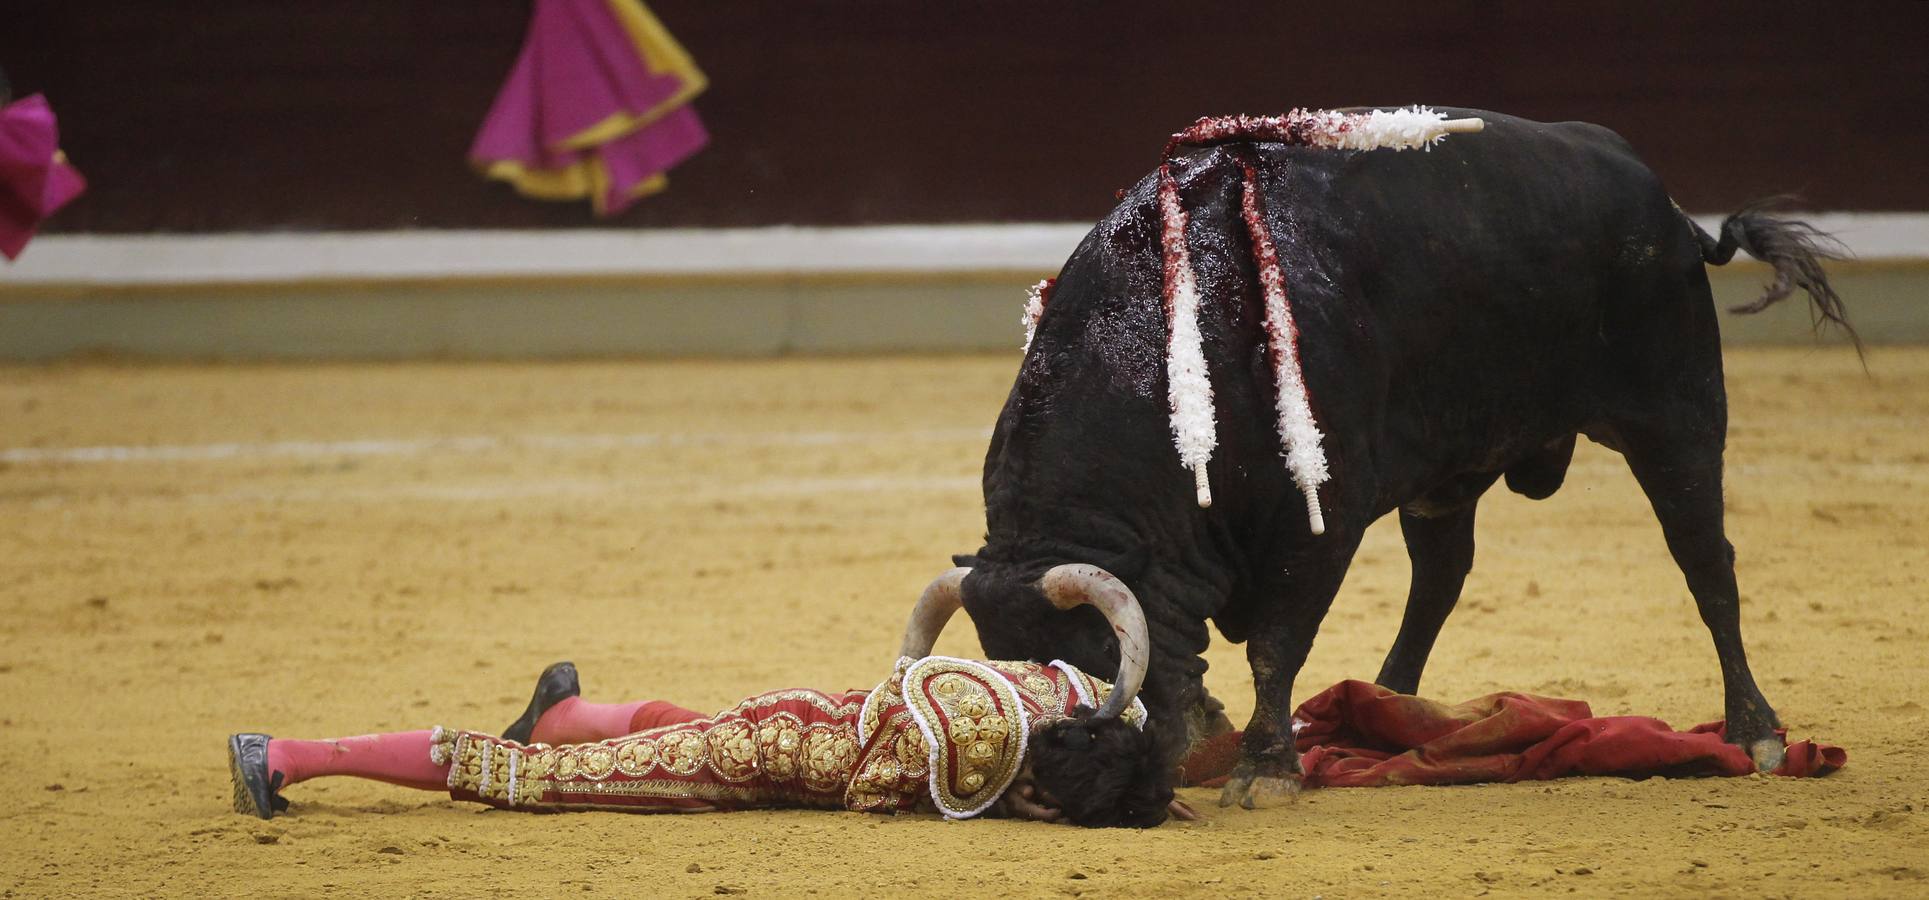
(1356,734)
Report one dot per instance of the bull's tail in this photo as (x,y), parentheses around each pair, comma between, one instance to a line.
(1795,248)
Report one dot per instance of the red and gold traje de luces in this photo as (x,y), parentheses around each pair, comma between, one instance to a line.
(940,734)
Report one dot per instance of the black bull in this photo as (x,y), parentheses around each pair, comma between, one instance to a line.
(1463,314)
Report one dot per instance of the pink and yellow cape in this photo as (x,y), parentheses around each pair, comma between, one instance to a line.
(35,179)
(597,106)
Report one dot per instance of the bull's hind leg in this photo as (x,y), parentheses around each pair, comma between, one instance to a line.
(1439,533)
(1681,474)
(1441,549)
(1277,647)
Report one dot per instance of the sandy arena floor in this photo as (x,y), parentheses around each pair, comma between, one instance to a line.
(324,550)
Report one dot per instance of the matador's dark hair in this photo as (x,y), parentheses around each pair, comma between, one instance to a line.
(1103,773)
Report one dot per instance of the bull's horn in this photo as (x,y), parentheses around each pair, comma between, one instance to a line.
(1071,585)
(934,608)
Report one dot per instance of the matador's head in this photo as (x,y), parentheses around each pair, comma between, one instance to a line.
(1098,767)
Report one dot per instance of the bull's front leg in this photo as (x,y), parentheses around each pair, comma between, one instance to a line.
(1268,766)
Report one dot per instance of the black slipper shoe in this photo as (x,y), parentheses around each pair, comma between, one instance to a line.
(256,790)
(556,684)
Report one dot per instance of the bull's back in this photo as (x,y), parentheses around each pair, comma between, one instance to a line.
(1490,274)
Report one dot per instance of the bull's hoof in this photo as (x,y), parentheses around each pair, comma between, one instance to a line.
(1753,727)
(1264,784)
(1768,754)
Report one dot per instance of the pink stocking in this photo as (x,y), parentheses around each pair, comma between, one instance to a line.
(576,721)
(399,758)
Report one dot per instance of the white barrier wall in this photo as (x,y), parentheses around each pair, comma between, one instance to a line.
(387,295)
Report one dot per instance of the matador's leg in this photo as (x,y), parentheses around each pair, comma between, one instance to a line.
(576,721)
(557,714)
(261,766)
(398,758)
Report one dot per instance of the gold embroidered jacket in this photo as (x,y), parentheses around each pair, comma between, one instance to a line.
(940,733)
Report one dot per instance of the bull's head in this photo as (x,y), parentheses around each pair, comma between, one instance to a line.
(1065,587)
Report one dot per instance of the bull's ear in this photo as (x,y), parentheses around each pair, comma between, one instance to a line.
(967,560)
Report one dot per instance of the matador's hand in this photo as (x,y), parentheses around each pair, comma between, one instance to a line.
(1024,800)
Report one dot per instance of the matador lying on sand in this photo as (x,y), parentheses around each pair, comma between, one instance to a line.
(959,737)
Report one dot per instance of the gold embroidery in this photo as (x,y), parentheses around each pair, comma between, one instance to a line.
(1101,690)
(682,753)
(441,746)
(974,717)
(670,790)
(637,757)
(497,760)
(485,767)
(819,700)
(767,755)
(913,755)
(828,755)
(797,759)
(733,750)
(896,764)
(780,742)
(1043,686)
(883,697)
(598,762)
(538,767)
(460,772)
(1097,690)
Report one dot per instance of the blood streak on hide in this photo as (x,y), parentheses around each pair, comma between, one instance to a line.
(1188,388)
(1414,128)
(1299,434)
